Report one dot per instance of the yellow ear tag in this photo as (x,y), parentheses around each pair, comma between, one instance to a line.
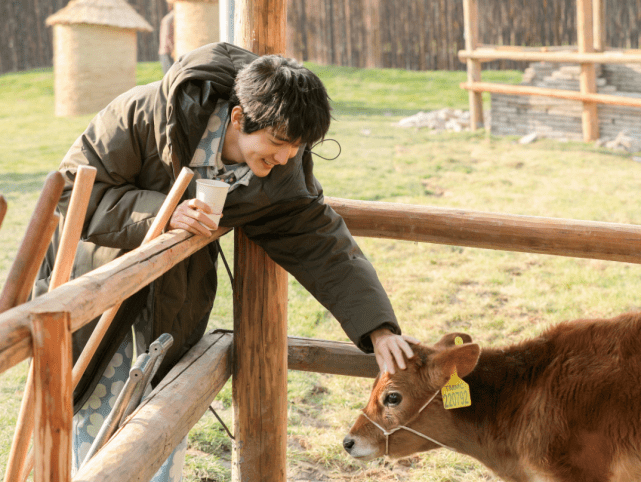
(456,393)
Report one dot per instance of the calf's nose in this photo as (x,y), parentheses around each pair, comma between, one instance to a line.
(348,443)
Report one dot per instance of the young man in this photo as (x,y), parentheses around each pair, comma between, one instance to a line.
(249,121)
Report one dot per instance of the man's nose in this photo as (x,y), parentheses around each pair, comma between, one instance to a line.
(284,154)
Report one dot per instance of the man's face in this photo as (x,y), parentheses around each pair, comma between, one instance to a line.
(265,149)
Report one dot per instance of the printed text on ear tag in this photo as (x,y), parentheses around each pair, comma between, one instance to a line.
(456,393)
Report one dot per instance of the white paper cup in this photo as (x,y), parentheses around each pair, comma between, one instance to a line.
(213,193)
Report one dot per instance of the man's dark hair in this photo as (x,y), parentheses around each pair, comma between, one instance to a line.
(280,93)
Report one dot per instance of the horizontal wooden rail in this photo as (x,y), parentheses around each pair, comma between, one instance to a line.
(332,357)
(555,93)
(151,433)
(509,232)
(92,294)
(607,57)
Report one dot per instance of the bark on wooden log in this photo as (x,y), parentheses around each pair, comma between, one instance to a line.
(261,27)
(150,434)
(53,405)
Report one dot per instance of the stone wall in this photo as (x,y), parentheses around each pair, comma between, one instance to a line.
(561,119)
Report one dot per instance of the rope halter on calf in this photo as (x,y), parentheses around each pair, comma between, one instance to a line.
(387,433)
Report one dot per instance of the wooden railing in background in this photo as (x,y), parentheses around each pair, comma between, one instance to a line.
(590,51)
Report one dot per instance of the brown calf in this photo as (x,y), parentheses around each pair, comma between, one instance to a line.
(565,406)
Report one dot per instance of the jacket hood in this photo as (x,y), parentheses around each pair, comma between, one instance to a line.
(187,96)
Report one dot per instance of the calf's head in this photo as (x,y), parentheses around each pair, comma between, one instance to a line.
(410,401)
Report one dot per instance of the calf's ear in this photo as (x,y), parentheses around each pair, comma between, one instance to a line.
(462,358)
(450,339)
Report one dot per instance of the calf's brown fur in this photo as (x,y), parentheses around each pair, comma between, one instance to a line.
(565,406)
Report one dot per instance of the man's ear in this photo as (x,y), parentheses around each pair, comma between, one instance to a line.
(462,358)
(237,117)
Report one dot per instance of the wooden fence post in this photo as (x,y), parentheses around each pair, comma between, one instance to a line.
(261,26)
(598,29)
(471,21)
(259,374)
(590,117)
(53,405)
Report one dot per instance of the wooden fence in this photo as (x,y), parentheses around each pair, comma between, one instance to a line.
(590,50)
(406,34)
(134,453)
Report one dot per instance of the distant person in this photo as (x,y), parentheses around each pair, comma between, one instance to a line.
(166,44)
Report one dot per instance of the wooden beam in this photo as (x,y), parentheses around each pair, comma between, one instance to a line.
(151,433)
(259,383)
(53,397)
(471,26)
(587,80)
(88,296)
(331,357)
(487,54)
(555,93)
(509,232)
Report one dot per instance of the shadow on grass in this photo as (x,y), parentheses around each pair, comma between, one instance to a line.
(22,183)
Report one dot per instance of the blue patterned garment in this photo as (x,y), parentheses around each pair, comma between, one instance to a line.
(207,160)
(89,419)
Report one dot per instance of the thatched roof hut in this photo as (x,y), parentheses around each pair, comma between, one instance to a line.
(196,23)
(95,53)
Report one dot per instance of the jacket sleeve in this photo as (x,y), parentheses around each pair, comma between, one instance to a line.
(119,144)
(313,243)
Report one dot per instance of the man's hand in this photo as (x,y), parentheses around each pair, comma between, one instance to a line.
(390,348)
(190,215)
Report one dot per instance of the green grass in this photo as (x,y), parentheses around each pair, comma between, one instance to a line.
(497,297)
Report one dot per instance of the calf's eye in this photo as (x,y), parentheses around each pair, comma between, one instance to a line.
(392,399)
